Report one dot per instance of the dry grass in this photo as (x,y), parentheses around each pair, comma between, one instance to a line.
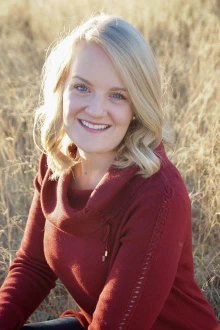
(184,36)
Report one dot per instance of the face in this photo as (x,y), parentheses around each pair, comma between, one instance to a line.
(96,106)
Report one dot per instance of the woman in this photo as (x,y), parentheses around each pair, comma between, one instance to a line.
(110,215)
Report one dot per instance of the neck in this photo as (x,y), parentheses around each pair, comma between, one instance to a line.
(91,169)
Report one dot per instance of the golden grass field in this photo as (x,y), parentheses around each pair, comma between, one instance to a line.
(184,35)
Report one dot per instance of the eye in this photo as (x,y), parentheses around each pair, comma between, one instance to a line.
(118,96)
(81,88)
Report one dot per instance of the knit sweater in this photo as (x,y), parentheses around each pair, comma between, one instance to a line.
(125,257)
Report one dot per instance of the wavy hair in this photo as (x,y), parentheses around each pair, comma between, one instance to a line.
(136,65)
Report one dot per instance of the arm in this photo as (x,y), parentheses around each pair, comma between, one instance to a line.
(146,264)
(30,279)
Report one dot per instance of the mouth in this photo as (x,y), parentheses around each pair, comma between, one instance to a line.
(97,127)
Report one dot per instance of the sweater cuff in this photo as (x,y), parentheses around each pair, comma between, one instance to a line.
(80,317)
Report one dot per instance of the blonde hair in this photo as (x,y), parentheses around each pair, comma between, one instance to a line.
(135,62)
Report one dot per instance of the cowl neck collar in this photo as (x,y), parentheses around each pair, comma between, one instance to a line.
(103,205)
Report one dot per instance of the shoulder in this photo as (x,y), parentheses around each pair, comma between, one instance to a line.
(167,179)
(42,171)
(161,204)
(163,191)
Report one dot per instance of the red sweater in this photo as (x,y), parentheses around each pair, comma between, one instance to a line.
(145,282)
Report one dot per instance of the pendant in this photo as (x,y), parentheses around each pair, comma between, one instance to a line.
(105,255)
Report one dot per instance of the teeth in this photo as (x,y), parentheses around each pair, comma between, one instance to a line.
(85,123)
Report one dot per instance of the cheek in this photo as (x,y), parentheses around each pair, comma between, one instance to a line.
(124,117)
(66,110)
(70,105)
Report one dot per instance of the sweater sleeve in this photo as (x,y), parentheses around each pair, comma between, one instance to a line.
(29,279)
(146,264)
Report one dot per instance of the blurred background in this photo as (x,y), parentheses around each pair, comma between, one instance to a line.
(184,35)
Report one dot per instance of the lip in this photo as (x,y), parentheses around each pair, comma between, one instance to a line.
(91,122)
(92,130)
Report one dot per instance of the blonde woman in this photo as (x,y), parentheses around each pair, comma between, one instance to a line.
(110,215)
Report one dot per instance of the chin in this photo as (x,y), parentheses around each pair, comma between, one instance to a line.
(96,150)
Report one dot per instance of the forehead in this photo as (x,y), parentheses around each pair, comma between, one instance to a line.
(91,62)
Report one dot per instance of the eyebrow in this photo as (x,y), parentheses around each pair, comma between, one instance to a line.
(111,89)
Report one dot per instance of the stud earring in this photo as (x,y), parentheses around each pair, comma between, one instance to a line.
(134,118)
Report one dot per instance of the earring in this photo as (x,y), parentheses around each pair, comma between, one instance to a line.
(134,118)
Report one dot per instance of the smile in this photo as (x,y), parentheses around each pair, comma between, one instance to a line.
(94,126)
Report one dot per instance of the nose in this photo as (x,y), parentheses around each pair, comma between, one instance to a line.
(96,107)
